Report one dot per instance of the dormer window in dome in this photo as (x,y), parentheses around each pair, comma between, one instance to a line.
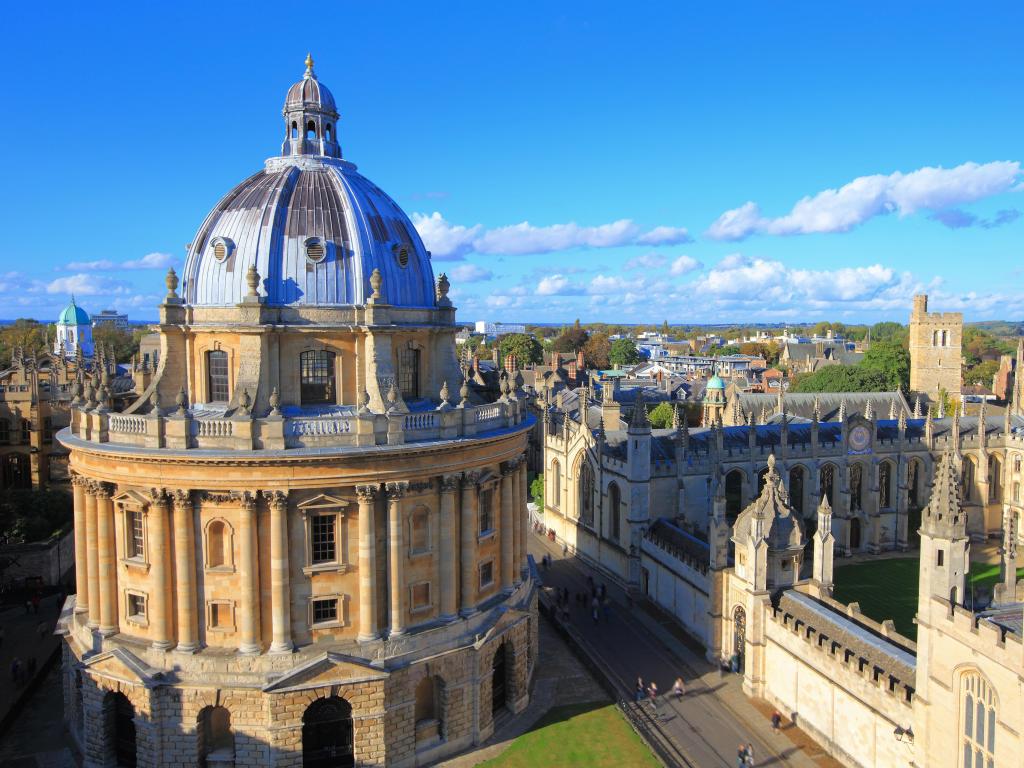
(316,249)
(401,253)
(222,248)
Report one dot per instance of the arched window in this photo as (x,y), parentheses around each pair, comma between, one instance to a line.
(327,734)
(884,485)
(733,495)
(944,339)
(827,484)
(796,489)
(935,338)
(310,130)
(316,377)
(327,132)
(1016,464)
(914,485)
(216,742)
(218,544)
(995,479)
(556,484)
(295,130)
(967,479)
(119,725)
(586,489)
(499,679)
(217,376)
(856,476)
(409,372)
(614,510)
(978,728)
(429,710)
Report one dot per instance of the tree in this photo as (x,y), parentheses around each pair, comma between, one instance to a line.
(665,329)
(624,352)
(537,491)
(124,343)
(889,331)
(660,415)
(981,373)
(842,378)
(596,351)
(525,347)
(571,339)
(892,361)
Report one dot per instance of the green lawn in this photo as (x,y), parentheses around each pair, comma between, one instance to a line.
(591,735)
(887,589)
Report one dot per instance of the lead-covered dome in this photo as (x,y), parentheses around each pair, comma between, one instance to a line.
(313,226)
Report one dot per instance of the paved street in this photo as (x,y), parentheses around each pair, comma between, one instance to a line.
(706,727)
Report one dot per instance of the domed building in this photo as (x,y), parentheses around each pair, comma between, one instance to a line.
(714,401)
(304,541)
(74,332)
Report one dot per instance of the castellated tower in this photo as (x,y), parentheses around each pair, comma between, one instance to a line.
(935,353)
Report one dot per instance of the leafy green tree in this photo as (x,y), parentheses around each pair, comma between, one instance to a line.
(537,491)
(624,352)
(981,373)
(124,343)
(891,360)
(660,415)
(28,515)
(889,331)
(524,346)
(842,378)
(572,339)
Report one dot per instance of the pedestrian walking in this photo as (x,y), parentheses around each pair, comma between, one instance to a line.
(750,754)
(605,605)
(652,694)
(593,609)
(776,720)
(639,690)
(679,688)
(741,756)
(603,591)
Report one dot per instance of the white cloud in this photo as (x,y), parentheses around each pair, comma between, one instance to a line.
(646,261)
(840,210)
(469,273)
(85,285)
(603,285)
(448,241)
(155,260)
(556,285)
(684,264)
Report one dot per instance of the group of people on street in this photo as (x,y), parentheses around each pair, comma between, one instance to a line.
(651,692)
(745,755)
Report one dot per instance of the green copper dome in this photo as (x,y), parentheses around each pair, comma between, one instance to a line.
(715,383)
(73,315)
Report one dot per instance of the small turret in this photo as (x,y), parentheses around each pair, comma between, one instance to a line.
(824,549)
(945,547)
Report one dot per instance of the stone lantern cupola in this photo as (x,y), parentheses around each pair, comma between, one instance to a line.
(310,118)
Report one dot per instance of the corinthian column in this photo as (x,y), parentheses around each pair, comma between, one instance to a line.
(508,469)
(449,561)
(185,571)
(367,495)
(396,575)
(159,549)
(93,555)
(280,581)
(248,571)
(81,546)
(107,559)
(467,555)
(522,564)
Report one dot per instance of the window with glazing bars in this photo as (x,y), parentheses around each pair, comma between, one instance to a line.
(217,374)
(136,546)
(5,431)
(316,373)
(409,373)
(486,504)
(325,610)
(137,606)
(322,529)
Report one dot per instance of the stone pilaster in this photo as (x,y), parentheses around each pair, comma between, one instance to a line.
(449,561)
(93,554)
(185,571)
(368,630)
(396,557)
(81,545)
(107,559)
(508,470)
(280,579)
(467,554)
(522,520)
(248,571)
(159,553)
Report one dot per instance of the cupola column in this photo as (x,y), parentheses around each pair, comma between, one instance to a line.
(159,550)
(81,545)
(248,570)
(92,544)
(280,584)
(396,553)
(367,495)
(522,520)
(508,469)
(448,553)
(468,548)
(107,559)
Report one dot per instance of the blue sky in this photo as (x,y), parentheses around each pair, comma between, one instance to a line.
(607,161)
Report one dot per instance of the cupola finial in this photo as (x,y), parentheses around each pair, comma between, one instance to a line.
(309,66)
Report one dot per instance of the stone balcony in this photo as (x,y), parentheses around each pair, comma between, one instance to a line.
(206,428)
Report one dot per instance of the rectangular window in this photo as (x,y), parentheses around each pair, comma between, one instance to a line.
(420,596)
(316,377)
(486,574)
(217,373)
(5,431)
(325,610)
(134,529)
(136,606)
(220,615)
(26,430)
(409,373)
(419,538)
(938,558)
(322,530)
(486,510)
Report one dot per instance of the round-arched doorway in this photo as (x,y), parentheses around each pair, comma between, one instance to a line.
(327,739)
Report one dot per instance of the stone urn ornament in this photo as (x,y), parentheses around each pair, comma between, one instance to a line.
(181,401)
(275,402)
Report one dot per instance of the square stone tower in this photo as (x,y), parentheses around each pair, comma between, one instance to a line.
(935,354)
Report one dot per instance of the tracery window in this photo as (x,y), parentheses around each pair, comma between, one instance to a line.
(316,377)
(614,502)
(586,486)
(856,473)
(556,484)
(967,479)
(885,485)
(217,375)
(826,484)
(978,731)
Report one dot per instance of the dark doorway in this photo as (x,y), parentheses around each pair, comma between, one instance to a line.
(327,740)
(121,724)
(855,534)
(739,638)
(733,495)
(499,680)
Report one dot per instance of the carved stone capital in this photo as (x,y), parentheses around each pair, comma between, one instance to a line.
(470,479)
(99,489)
(277,499)
(79,481)
(450,483)
(248,500)
(508,467)
(158,497)
(396,491)
(367,493)
(182,497)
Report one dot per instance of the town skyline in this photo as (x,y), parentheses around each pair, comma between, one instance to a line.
(720,178)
